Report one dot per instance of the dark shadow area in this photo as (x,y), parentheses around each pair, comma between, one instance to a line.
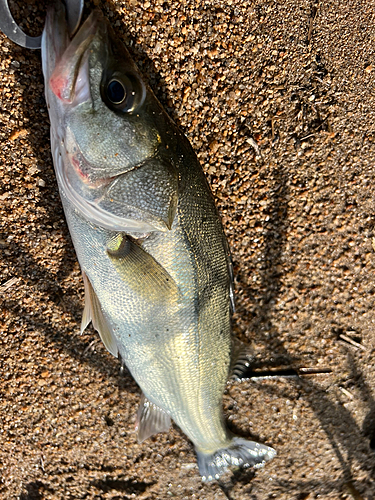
(337,422)
(35,491)
(238,476)
(124,486)
(274,242)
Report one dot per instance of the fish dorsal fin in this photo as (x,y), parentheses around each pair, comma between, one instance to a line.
(141,272)
(93,312)
(242,355)
(151,419)
(231,275)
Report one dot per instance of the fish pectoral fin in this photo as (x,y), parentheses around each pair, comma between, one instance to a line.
(93,312)
(151,419)
(140,271)
(242,355)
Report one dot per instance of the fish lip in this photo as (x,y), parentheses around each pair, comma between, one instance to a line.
(68,68)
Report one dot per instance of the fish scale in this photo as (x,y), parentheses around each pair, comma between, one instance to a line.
(154,257)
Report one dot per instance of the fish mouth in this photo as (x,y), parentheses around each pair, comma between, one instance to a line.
(69,80)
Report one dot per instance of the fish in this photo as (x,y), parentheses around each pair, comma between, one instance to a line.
(148,238)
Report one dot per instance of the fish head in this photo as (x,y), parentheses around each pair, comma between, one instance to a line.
(113,144)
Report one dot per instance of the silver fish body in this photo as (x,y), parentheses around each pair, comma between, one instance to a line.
(147,236)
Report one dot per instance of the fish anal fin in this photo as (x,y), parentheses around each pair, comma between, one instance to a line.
(242,356)
(151,419)
(93,312)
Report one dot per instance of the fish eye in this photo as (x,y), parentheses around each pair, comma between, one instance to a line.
(123,92)
(116,92)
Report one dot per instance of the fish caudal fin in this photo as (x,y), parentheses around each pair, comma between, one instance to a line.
(240,453)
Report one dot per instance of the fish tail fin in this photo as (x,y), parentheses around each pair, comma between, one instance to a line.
(240,453)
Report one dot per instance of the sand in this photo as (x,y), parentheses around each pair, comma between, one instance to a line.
(277,99)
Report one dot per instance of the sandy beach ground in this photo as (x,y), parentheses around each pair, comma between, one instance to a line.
(278,101)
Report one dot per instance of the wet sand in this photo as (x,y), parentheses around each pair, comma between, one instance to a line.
(278,101)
